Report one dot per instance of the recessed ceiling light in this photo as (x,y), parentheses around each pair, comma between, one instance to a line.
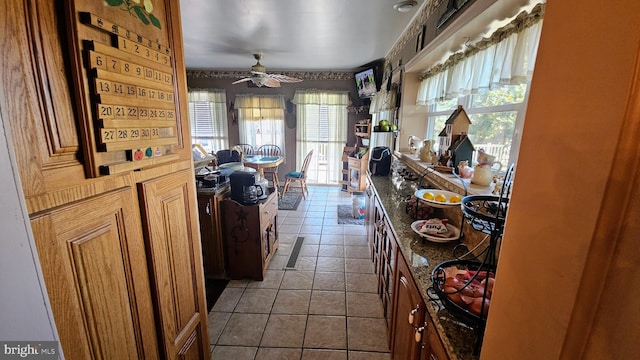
(405,6)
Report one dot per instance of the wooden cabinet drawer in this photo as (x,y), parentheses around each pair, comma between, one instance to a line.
(269,209)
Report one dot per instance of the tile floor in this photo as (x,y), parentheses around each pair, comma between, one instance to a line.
(327,308)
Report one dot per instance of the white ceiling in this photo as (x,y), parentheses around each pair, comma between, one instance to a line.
(292,34)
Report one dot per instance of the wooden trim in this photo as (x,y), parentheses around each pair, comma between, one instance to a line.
(609,232)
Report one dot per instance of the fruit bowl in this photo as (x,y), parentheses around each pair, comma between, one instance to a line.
(438,281)
(438,194)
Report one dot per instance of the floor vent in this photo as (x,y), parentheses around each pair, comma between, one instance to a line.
(295,253)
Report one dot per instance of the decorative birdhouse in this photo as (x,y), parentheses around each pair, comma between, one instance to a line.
(461,149)
(457,124)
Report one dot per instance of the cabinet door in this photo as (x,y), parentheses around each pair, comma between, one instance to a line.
(173,242)
(432,348)
(211,236)
(94,266)
(408,302)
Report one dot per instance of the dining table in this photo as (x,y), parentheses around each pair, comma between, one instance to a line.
(261,162)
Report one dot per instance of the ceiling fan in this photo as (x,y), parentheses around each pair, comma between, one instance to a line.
(260,78)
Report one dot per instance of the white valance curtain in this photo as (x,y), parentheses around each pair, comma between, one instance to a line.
(322,126)
(383,100)
(208,118)
(507,57)
(261,119)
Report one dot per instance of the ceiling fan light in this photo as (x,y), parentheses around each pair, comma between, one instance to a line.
(405,6)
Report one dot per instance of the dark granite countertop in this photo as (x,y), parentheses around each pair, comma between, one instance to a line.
(422,256)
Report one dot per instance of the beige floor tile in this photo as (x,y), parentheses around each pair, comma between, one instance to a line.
(310,229)
(216,322)
(297,280)
(293,220)
(285,249)
(272,280)
(331,250)
(284,331)
(354,230)
(355,240)
(367,334)
(292,302)
(309,250)
(306,263)
(234,352)
(298,213)
(316,206)
(278,262)
(312,221)
(362,266)
(327,303)
(337,229)
(256,301)
(365,355)
(238,283)
(329,281)
(311,239)
(289,229)
(228,299)
(321,354)
(315,214)
(243,330)
(330,264)
(287,238)
(332,239)
(265,353)
(325,332)
(364,305)
(357,252)
(366,283)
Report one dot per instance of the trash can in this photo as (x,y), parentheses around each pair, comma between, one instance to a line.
(358,200)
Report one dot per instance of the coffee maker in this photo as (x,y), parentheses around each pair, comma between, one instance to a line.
(243,187)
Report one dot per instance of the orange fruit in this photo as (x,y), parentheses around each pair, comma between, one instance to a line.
(455,198)
(441,198)
(428,195)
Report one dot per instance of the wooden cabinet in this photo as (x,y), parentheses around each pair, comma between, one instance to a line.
(93,261)
(173,246)
(250,236)
(210,214)
(120,254)
(432,348)
(408,315)
(384,250)
(358,163)
(413,334)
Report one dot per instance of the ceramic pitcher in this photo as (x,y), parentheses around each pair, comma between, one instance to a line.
(483,173)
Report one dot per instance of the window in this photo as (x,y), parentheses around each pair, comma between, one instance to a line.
(322,126)
(494,116)
(261,120)
(208,119)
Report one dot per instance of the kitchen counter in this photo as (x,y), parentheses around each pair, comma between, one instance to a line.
(422,256)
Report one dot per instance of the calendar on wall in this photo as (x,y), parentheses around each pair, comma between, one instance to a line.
(124,75)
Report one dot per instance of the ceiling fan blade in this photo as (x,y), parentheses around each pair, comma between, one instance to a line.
(284,78)
(241,80)
(270,82)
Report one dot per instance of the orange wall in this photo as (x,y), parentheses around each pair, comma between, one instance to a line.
(579,94)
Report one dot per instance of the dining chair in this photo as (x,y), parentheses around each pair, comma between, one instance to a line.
(247,149)
(271,150)
(299,176)
(227,156)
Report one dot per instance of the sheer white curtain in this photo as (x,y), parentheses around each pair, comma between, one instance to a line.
(322,126)
(208,119)
(261,120)
(508,60)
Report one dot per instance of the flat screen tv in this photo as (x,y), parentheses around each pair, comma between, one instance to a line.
(366,83)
